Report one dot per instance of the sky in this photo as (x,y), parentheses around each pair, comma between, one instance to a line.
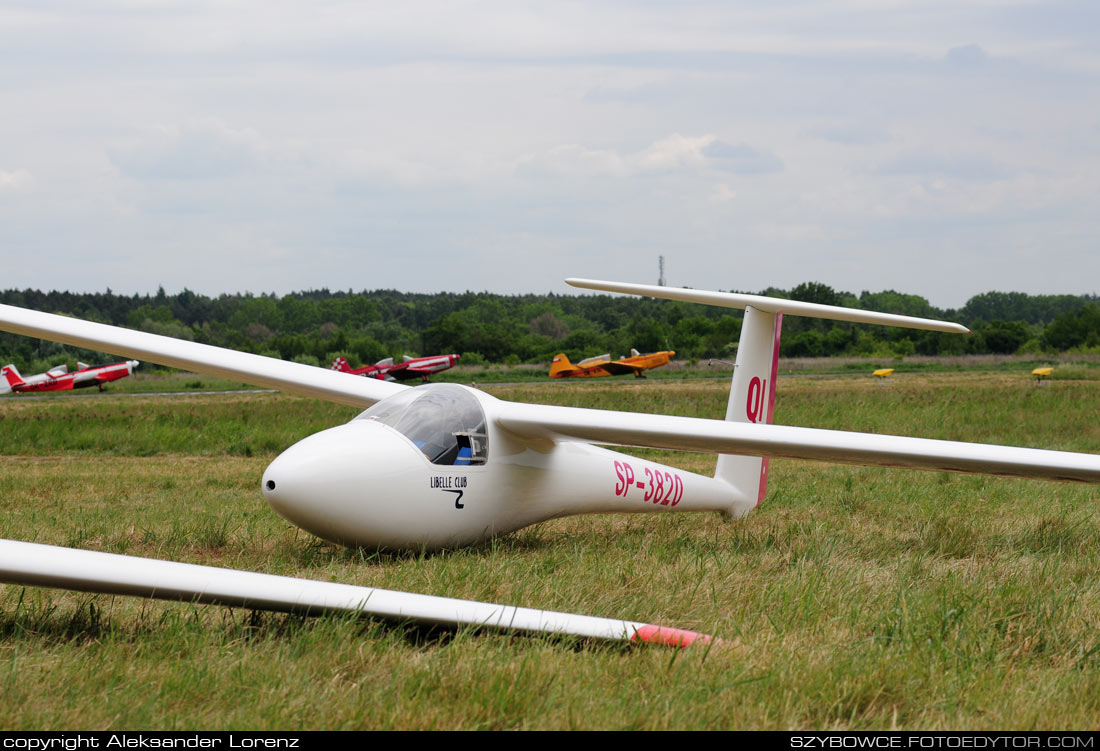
(938,148)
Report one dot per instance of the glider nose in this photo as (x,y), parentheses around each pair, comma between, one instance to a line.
(332,482)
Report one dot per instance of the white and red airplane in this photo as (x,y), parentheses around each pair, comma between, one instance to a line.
(407,369)
(445,465)
(60,379)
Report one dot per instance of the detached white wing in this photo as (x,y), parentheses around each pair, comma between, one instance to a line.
(757,439)
(268,372)
(90,571)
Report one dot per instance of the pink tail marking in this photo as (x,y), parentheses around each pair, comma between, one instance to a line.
(771,407)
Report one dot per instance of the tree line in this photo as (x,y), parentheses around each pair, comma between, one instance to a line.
(317,325)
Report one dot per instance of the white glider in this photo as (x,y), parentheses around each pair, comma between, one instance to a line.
(445,465)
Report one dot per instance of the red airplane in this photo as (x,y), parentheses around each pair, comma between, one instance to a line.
(60,379)
(409,368)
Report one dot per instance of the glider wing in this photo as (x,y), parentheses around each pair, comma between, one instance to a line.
(91,571)
(758,439)
(267,372)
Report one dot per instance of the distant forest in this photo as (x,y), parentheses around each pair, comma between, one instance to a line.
(316,326)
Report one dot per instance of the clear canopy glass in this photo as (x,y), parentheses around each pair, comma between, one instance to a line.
(444,420)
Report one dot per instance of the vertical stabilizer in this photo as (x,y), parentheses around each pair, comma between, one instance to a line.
(560,365)
(10,380)
(752,399)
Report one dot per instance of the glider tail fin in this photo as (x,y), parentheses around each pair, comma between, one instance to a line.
(752,399)
(560,365)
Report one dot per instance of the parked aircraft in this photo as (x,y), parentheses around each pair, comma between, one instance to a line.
(603,365)
(407,369)
(445,465)
(60,379)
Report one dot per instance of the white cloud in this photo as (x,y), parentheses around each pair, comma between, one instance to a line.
(741,158)
(14,179)
(967,56)
(850,133)
(672,154)
(971,167)
(197,150)
(722,193)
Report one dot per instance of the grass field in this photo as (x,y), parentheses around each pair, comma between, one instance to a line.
(150,379)
(853,598)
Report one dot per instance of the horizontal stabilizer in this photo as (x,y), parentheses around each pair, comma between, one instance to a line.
(91,571)
(771,305)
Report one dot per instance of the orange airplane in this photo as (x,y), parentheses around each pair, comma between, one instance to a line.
(603,365)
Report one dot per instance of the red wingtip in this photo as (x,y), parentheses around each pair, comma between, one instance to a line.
(671,637)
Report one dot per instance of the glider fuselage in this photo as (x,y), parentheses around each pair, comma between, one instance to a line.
(372,484)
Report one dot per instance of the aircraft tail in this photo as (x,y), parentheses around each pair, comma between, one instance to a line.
(752,393)
(752,399)
(560,365)
(10,380)
(341,364)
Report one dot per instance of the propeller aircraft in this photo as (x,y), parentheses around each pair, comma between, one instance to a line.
(603,365)
(60,379)
(407,369)
(445,465)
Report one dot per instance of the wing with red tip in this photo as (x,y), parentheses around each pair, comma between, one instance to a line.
(90,571)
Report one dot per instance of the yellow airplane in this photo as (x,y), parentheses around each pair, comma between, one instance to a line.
(603,365)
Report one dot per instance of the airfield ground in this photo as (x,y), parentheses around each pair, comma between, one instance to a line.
(853,598)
